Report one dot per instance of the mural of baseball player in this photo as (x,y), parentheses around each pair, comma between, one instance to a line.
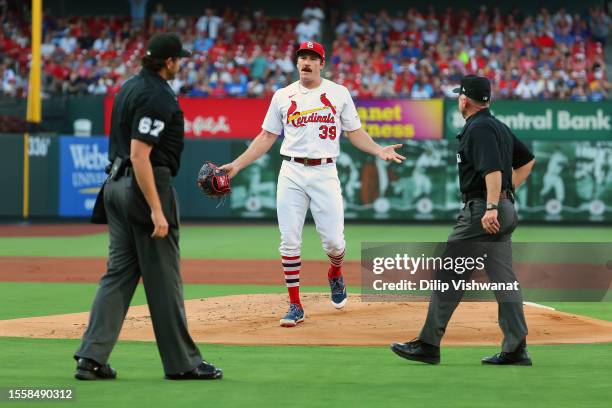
(349,179)
(420,179)
(553,182)
(261,186)
(602,171)
(585,174)
(604,193)
(415,182)
(255,189)
(383,177)
(312,113)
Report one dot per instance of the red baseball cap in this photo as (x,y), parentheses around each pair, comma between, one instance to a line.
(312,46)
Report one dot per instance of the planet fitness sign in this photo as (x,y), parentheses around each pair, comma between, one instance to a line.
(400,119)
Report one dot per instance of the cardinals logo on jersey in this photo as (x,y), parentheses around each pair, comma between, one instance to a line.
(327,103)
(292,111)
(300,119)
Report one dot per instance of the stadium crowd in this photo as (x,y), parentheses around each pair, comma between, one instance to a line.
(414,54)
(235,53)
(420,56)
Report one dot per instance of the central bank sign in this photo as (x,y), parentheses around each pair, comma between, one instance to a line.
(544,120)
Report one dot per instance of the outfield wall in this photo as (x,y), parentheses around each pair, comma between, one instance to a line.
(572,141)
(572,180)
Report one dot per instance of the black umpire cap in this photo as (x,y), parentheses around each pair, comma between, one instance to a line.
(166,45)
(475,87)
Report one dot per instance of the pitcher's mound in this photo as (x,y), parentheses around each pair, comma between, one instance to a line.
(254,319)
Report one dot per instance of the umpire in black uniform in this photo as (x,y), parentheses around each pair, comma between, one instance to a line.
(492,163)
(146,141)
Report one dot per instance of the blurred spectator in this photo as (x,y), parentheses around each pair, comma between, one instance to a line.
(421,89)
(600,24)
(159,19)
(138,12)
(314,14)
(237,86)
(208,25)
(85,40)
(308,29)
(47,48)
(599,88)
(313,10)
(430,32)
(530,86)
(10,81)
(258,65)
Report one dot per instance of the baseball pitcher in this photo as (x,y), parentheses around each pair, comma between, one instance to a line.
(312,113)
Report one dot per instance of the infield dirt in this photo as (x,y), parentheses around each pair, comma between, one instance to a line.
(253,319)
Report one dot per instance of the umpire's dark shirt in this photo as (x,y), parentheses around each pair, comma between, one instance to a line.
(146,109)
(487,145)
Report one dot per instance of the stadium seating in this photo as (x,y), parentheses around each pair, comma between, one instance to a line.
(418,54)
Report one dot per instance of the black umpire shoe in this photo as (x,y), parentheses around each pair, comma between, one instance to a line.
(88,369)
(416,350)
(205,371)
(518,357)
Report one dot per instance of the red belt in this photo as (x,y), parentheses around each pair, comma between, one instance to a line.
(308,162)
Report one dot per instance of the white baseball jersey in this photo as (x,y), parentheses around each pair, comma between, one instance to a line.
(312,119)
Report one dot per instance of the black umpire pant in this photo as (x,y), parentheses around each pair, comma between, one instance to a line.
(470,239)
(134,254)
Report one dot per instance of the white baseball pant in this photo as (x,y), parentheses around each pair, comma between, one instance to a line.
(302,187)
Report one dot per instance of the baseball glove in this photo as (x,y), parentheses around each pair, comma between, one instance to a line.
(214,182)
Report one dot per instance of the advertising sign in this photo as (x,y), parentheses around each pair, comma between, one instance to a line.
(82,163)
(553,120)
(401,119)
(215,118)
(242,118)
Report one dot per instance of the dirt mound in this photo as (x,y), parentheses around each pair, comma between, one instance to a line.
(253,319)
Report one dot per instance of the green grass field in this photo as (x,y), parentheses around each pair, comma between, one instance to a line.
(262,376)
(261,242)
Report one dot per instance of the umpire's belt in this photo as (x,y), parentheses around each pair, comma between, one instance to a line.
(483,194)
(308,162)
(129,170)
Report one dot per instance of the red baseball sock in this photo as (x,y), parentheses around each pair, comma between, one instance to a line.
(335,268)
(291,268)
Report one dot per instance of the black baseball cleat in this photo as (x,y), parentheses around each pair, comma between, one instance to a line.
(518,357)
(416,350)
(88,370)
(205,371)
